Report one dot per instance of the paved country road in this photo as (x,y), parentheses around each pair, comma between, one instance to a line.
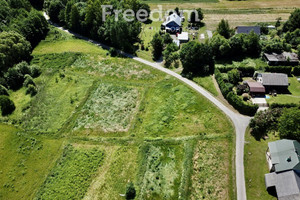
(240,122)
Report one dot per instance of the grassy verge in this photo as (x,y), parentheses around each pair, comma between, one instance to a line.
(207,83)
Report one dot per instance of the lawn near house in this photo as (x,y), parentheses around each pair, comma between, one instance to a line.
(294,97)
(256,167)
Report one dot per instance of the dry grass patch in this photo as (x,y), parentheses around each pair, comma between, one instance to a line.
(110,108)
(210,179)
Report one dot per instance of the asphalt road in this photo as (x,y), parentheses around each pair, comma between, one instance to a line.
(240,122)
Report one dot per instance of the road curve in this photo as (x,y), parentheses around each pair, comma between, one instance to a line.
(240,122)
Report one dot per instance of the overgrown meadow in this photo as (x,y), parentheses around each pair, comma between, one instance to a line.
(100,122)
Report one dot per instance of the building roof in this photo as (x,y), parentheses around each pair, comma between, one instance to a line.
(173,18)
(284,57)
(256,87)
(285,155)
(248,29)
(287,184)
(292,57)
(183,36)
(274,79)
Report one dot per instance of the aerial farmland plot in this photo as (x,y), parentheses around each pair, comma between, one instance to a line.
(113,109)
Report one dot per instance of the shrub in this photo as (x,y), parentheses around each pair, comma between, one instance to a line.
(35,71)
(23,68)
(234,76)
(279,69)
(28,81)
(113,52)
(32,90)
(7,105)
(3,90)
(130,191)
(286,105)
(296,71)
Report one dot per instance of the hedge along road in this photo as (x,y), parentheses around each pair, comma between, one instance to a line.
(240,122)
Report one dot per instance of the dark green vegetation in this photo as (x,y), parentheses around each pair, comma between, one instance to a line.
(109,121)
(21,28)
(285,121)
(226,84)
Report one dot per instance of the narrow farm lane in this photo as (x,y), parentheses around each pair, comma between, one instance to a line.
(240,122)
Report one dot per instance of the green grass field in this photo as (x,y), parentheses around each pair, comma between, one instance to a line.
(98,122)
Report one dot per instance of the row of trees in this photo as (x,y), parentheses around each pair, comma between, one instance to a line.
(85,17)
(21,28)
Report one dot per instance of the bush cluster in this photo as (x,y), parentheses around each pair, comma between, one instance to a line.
(238,103)
(246,71)
(20,75)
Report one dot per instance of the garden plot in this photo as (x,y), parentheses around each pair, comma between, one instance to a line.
(72,175)
(110,108)
(125,69)
(211,179)
(160,172)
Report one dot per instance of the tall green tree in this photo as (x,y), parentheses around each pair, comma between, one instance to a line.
(14,48)
(224,29)
(293,22)
(197,58)
(75,19)
(220,46)
(289,124)
(157,45)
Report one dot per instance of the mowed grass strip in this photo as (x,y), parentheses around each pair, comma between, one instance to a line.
(25,161)
(72,175)
(110,108)
(116,68)
(72,45)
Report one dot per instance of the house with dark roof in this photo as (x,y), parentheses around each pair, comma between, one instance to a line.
(273,81)
(256,88)
(248,29)
(172,23)
(285,58)
(285,185)
(284,165)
